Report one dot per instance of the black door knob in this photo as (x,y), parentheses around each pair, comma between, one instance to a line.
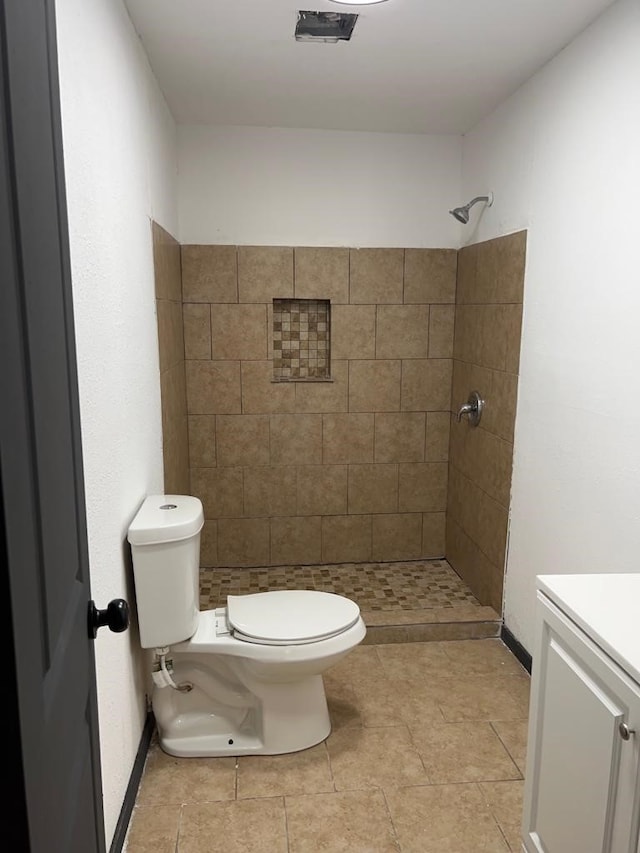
(115,617)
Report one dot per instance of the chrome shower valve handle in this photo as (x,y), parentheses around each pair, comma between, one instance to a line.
(472,408)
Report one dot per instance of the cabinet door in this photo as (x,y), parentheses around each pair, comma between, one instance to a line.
(581,774)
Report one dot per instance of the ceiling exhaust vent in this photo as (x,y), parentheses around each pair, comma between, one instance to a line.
(325,26)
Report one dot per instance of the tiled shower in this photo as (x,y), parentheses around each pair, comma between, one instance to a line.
(309,399)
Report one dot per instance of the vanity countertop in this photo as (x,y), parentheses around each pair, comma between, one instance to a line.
(606,607)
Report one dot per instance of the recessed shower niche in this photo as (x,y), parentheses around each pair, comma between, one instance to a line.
(301,340)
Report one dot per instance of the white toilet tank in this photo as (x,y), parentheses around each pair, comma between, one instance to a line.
(165,544)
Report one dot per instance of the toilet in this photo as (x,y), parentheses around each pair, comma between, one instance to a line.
(245,679)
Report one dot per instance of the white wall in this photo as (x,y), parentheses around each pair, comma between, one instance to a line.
(119,141)
(562,158)
(277,186)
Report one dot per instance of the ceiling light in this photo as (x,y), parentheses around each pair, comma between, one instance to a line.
(358,2)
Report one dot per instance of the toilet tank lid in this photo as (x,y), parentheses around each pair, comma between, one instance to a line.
(166,518)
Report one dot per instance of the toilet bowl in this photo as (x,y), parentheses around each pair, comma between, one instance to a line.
(244,679)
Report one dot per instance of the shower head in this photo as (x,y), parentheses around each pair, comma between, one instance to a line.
(462,213)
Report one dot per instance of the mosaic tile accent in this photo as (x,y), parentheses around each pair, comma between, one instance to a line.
(301,340)
(415,585)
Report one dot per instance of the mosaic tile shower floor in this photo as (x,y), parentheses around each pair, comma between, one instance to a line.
(418,600)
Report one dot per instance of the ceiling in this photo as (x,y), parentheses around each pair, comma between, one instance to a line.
(412,66)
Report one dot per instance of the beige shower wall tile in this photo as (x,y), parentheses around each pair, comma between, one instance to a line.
(397,537)
(170,337)
(513,330)
(324,396)
(400,436)
(510,267)
(437,444)
(376,276)
(373,488)
(261,395)
(296,439)
(166,264)
(374,386)
(175,452)
(441,327)
(499,414)
(430,275)
(219,489)
(209,273)
(321,273)
(423,487)
(270,491)
(243,542)
(346,539)
(173,396)
(483,519)
(353,331)
(209,544)
(322,490)
(265,273)
(202,441)
(433,534)
(402,331)
(426,385)
(197,331)
(347,438)
(213,387)
(484,458)
(239,331)
(483,578)
(466,278)
(500,266)
(242,440)
(295,541)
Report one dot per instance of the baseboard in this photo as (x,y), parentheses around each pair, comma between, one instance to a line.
(516,647)
(128,803)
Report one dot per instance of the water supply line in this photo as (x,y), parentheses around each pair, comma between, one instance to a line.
(162,675)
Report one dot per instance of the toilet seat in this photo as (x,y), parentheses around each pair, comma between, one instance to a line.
(290,617)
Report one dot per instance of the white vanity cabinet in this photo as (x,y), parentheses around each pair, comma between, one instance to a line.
(582,789)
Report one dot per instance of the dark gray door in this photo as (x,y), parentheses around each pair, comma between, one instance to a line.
(52,703)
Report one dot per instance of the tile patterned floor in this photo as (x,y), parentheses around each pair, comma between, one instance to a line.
(415,601)
(426,755)
(417,585)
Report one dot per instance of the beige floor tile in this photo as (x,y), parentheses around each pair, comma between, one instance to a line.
(513,834)
(361,664)
(186,780)
(505,799)
(342,703)
(418,708)
(444,819)
(343,822)
(153,829)
(380,706)
(414,661)
(305,772)
(364,758)
(513,734)
(481,697)
(244,826)
(481,657)
(463,752)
